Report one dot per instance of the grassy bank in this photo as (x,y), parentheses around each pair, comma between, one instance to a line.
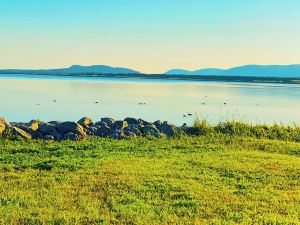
(241,129)
(211,179)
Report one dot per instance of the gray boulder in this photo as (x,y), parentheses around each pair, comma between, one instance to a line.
(54,122)
(158,124)
(57,135)
(120,125)
(134,129)
(71,136)
(34,124)
(117,134)
(3,125)
(48,137)
(131,121)
(129,134)
(33,127)
(91,130)
(109,121)
(2,128)
(104,131)
(100,123)
(152,130)
(46,128)
(30,128)
(168,129)
(100,131)
(85,122)
(144,122)
(21,133)
(73,127)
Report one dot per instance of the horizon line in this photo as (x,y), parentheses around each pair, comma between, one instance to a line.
(175,68)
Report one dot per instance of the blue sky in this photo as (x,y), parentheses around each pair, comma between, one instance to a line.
(150,35)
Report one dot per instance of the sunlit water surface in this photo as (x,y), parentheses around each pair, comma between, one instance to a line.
(55,98)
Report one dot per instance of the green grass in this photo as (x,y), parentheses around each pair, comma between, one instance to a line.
(210,179)
(238,128)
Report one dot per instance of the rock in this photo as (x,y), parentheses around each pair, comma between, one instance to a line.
(152,130)
(91,130)
(158,124)
(33,127)
(107,127)
(57,136)
(100,130)
(2,128)
(169,129)
(46,128)
(58,129)
(133,129)
(109,121)
(144,122)
(131,121)
(34,124)
(66,127)
(117,134)
(3,125)
(120,125)
(24,127)
(85,122)
(71,136)
(21,133)
(104,131)
(16,124)
(55,122)
(140,127)
(129,134)
(100,123)
(48,137)
(30,128)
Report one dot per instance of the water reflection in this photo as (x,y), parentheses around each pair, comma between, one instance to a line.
(22,99)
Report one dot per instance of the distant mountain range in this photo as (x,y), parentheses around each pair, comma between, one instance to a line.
(290,71)
(248,70)
(75,69)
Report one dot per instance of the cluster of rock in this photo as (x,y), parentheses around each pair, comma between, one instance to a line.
(107,127)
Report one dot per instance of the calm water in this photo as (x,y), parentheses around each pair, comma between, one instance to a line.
(32,97)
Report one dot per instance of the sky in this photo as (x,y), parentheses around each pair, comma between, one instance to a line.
(150,36)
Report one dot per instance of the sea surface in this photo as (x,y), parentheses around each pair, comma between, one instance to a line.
(26,97)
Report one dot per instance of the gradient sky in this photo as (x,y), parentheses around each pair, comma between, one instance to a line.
(149,35)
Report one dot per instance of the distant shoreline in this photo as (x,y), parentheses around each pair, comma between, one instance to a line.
(248,79)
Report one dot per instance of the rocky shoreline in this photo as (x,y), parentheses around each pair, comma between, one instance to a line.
(85,127)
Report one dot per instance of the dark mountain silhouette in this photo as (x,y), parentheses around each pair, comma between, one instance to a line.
(75,69)
(289,71)
(208,71)
(248,70)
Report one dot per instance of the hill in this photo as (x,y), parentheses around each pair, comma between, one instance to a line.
(75,69)
(248,70)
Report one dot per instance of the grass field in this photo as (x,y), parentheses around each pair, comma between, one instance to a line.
(211,179)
